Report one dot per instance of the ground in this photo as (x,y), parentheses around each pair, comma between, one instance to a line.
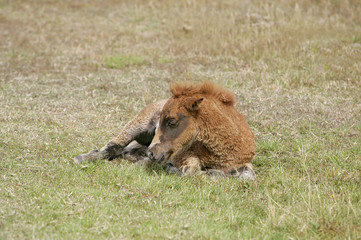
(72,73)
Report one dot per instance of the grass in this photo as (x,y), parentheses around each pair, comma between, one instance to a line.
(73,73)
(118,62)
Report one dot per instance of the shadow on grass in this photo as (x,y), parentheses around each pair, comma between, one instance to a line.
(154,169)
(151,168)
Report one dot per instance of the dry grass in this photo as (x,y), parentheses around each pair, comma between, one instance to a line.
(72,73)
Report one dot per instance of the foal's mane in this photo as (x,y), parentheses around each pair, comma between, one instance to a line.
(206,88)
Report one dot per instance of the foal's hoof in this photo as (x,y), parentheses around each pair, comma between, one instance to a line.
(88,157)
(246,173)
(169,168)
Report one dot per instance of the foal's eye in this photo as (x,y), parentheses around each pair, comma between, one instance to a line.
(172,123)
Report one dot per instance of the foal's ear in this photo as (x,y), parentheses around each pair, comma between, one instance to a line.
(193,104)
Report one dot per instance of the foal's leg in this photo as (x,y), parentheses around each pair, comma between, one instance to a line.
(141,128)
(186,164)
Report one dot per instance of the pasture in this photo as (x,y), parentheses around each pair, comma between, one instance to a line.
(72,73)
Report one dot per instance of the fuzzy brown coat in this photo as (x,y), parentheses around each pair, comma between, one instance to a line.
(215,135)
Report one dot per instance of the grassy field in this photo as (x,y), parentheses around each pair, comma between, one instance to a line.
(72,73)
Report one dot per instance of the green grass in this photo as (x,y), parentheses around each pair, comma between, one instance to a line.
(165,60)
(119,62)
(72,74)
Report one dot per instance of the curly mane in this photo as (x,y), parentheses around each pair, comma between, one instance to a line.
(205,88)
